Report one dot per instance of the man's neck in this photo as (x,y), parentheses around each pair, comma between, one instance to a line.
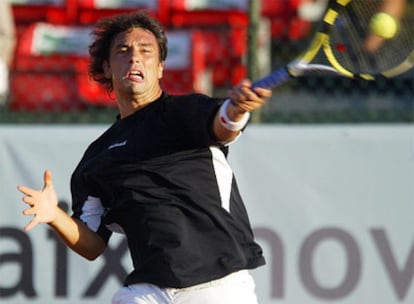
(128,106)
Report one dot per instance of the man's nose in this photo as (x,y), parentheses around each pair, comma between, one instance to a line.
(134,56)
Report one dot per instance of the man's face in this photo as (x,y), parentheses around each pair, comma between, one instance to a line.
(134,65)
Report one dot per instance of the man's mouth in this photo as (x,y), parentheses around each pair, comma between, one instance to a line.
(135,75)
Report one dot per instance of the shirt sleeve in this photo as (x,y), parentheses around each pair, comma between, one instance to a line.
(91,214)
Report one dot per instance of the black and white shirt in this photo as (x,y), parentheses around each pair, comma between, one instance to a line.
(161,177)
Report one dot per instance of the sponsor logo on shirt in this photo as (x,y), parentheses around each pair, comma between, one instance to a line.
(116,145)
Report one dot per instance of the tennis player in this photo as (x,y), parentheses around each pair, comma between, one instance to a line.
(159,175)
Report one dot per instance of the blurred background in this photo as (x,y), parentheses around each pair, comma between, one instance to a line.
(326,170)
(213,45)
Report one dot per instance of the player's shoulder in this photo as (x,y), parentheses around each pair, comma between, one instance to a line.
(186,97)
(190,99)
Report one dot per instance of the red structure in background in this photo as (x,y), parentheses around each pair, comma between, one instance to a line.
(54,76)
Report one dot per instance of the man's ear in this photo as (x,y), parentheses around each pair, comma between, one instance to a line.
(160,69)
(107,70)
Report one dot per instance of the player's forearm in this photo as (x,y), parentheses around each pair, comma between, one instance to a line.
(77,236)
(228,122)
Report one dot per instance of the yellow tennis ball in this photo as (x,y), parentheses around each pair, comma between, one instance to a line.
(384,25)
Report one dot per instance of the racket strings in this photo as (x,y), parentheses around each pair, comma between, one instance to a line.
(351,30)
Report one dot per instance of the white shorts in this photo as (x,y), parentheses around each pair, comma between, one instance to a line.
(237,287)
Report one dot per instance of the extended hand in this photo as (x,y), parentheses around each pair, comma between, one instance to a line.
(248,99)
(43,203)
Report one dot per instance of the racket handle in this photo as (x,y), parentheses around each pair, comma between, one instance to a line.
(273,80)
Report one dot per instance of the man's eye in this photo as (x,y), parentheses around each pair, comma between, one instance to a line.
(122,50)
(146,50)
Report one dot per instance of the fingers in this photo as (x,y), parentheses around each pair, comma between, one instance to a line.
(245,90)
(25,190)
(29,211)
(246,87)
(29,192)
(34,221)
(38,201)
(264,93)
(31,224)
(248,98)
(47,178)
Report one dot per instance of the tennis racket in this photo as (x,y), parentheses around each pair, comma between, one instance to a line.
(339,46)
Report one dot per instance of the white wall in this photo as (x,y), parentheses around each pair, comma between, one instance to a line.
(333,207)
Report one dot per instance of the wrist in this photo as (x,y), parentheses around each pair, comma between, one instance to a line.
(227,122)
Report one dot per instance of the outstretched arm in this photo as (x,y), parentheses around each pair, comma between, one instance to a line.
(44,209)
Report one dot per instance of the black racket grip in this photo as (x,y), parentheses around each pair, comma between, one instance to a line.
(273,80)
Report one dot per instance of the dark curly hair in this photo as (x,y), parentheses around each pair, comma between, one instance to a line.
(104,33)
